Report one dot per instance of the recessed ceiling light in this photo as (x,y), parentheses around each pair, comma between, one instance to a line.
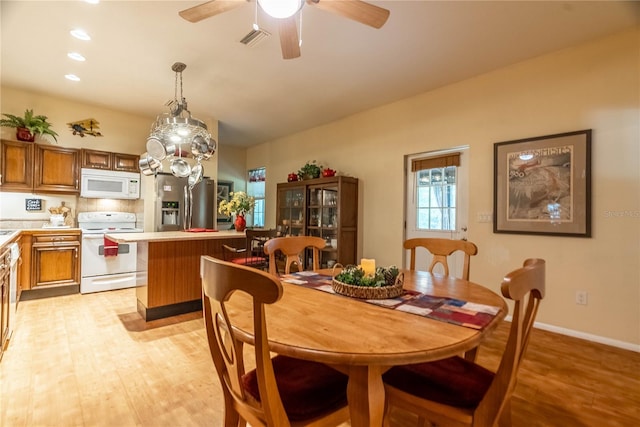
(80,34)
(93,1)
(76,56)
(72,77)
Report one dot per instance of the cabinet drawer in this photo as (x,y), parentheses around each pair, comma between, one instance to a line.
(56,239)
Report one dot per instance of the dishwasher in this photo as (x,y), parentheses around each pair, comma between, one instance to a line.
(13,287)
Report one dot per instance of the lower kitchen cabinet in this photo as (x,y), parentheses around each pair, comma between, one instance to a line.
(55,260)
(5,262)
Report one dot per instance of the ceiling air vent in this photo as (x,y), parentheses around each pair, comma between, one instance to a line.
(254,37)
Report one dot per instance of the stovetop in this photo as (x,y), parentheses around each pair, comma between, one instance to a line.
(107,222)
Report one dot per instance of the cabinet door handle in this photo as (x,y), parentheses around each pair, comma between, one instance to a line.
(76,249)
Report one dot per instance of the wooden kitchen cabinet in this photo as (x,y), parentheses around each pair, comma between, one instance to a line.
(95,159)
(24,268)
(322,207)
(55,259)
(56,169)
(24,264)
(16,166)
(39,168)
(126,162)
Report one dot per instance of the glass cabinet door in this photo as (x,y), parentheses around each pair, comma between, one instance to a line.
(322,209)
(291,211)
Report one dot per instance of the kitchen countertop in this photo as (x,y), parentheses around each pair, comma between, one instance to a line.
(6,238)
(168,236)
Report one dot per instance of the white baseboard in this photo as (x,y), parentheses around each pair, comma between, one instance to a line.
(582,335)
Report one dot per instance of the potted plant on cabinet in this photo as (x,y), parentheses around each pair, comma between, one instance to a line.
(29,126)
(239,205)
(310,170)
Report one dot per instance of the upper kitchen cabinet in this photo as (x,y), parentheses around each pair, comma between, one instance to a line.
(106,160)
(16,166)
(126,162)
(38,168)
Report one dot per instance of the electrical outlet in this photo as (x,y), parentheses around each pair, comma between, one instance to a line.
(581,297)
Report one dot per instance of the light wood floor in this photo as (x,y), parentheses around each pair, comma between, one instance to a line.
(90,360)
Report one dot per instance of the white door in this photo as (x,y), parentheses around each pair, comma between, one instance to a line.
(437,205)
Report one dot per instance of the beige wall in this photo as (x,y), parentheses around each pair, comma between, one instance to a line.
(122,133)
(593,86)
(232,166)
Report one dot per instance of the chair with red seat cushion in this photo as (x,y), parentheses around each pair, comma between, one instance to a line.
(282,391)
(457,392)
(252,255)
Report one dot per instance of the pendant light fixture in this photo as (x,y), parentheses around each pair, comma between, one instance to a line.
(175,135)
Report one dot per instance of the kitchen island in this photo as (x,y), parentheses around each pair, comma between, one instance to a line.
(170,284)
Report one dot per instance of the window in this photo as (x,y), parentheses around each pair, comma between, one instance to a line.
(256,188)
(436,201)
(436,184)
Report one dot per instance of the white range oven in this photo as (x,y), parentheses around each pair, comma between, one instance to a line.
(107,265)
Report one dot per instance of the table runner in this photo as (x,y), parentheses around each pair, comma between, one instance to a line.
(450,310)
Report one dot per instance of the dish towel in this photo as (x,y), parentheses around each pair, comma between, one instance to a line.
(110,248)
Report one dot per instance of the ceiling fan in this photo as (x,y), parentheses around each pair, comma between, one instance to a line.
(356,10)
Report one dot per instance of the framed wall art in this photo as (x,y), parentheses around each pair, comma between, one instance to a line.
(225,188)
(542,185)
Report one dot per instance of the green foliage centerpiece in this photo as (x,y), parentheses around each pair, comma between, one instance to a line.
(383,283)
(310,170)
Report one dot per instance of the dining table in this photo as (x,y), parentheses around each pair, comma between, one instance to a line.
(363,339)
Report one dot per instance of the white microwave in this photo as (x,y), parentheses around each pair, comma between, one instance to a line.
(101,184)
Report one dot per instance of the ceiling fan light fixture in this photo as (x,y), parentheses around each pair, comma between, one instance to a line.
(280,8)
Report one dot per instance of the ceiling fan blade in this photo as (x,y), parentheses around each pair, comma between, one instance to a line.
(209,9)
(289,37)
(359,11)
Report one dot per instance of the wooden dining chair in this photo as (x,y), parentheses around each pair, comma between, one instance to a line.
(252,255)
(441,249)
(292,247)
(282,391)
(456,392)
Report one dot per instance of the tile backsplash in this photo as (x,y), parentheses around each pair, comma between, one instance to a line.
(13,213)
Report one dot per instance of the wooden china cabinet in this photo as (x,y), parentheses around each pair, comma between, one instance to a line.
(322,207)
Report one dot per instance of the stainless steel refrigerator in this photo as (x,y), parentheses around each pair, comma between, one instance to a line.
(175,205)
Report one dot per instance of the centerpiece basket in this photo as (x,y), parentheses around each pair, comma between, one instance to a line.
(352,282)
